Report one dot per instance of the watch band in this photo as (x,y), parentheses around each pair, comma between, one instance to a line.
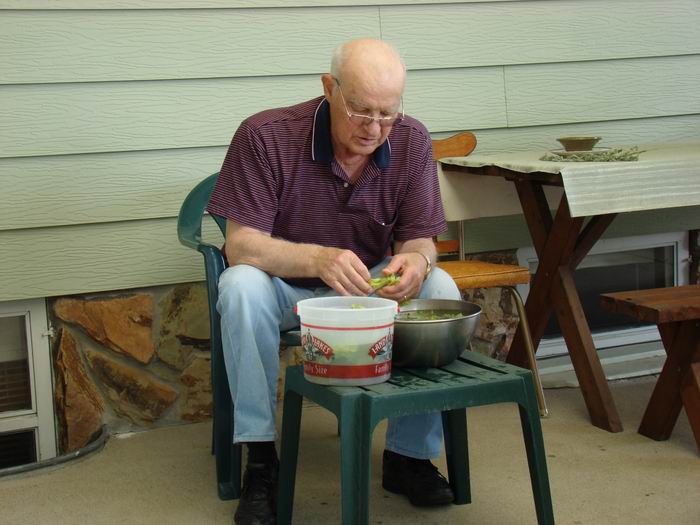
(429,265)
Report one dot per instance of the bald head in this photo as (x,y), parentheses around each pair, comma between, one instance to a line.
(370,64)
(364,92)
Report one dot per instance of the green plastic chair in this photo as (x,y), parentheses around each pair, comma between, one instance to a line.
(471,381)
(189,232)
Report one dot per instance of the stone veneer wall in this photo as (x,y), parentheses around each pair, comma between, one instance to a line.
(499,317)
(132,361)
(140,359)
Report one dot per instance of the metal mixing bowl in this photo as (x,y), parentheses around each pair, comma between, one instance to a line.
(432,343)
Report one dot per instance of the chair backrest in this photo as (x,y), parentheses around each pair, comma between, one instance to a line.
(459,145)
(189,220)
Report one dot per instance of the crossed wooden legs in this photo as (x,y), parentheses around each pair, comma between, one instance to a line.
(678,384)
(561,245)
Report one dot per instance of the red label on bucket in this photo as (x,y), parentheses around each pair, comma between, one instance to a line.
(381,346)
(317,345)
(347,371)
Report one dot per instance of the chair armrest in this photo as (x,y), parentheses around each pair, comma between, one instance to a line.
(189,220)
(214,263)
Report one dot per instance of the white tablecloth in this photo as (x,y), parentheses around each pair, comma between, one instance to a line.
(665,176)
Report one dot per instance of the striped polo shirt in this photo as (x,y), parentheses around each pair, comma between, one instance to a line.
(279,176)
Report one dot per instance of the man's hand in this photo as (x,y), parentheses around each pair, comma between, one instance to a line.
(411,266)
(343,271)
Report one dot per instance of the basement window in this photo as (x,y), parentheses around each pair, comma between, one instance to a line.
(616,265)
(17,448)
(27,428)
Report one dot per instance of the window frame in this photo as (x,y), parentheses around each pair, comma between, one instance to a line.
(40,417)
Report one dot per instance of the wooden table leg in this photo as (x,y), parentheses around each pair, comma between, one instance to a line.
(560,246)
(554,242)
(690,392)
(682,344)
(589,371)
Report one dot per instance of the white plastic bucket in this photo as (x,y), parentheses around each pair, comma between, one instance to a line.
(347,340)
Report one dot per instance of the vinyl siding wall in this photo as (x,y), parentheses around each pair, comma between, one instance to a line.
(111,111)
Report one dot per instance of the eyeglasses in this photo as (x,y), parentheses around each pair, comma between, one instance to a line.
(360,119)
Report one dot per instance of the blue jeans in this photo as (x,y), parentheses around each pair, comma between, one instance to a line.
(254,308)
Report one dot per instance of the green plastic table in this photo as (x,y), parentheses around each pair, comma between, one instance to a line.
(472,380)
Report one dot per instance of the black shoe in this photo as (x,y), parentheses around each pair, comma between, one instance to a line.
(418,479)
(258,503)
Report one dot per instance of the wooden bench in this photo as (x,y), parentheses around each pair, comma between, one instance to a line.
(676,311)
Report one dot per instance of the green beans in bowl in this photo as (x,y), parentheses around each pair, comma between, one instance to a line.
(433,332)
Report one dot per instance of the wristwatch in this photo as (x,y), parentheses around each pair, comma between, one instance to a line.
(428,267)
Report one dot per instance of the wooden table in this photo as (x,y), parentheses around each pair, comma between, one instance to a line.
(665,176)
(676,311)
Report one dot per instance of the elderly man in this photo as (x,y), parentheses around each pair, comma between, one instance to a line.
(315,196)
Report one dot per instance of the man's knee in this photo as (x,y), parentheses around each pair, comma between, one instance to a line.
(440,285)
(245,282)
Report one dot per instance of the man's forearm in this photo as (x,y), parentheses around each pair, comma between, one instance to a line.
(425,246)
(340,269)
(275,256)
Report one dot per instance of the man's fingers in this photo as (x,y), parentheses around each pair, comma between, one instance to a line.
(394,266)
(354,284)
(395,292)
(360,269)
(345,272)
(359,276)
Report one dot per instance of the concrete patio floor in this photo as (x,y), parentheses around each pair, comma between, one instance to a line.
(167,475)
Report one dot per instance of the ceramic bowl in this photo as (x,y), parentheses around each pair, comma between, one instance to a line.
(578,143)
